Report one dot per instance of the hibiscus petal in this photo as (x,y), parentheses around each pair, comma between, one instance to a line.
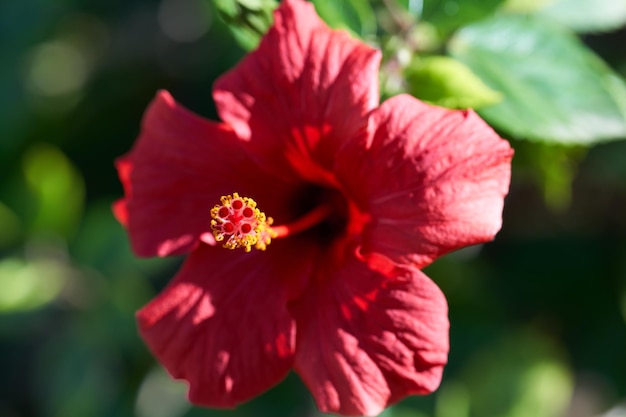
(432,179)
(304,92)
(222,324)
(176,172)
(369,334)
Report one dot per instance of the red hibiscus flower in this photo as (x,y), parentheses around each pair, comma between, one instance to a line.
(362,197)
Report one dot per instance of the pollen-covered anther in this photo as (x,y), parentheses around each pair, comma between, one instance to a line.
(238,223)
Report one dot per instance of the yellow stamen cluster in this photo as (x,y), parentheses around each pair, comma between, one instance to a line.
(240,224)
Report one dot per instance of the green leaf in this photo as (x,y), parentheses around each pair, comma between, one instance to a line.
(524,6)
(357,16)
(248,20)
(447,82)
(557,166)
(256,4)
(587,15)
(555,89)
(449,15)
(552,167)
(414,7)
(226,8)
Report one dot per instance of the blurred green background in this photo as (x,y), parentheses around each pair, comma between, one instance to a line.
(538,317)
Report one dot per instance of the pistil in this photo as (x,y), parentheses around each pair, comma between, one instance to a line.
(310,219)
(240,224)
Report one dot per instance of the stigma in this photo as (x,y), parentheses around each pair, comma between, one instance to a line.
(238,223)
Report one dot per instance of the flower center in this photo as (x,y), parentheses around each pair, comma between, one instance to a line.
(240,224)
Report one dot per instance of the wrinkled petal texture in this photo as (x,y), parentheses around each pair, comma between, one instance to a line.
(305,91)
(179,167)
(432,179)
(369,334)
(222,324)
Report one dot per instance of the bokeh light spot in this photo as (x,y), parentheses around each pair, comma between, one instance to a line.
(56,68)
(29,285)
(161,396)
(184,20)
